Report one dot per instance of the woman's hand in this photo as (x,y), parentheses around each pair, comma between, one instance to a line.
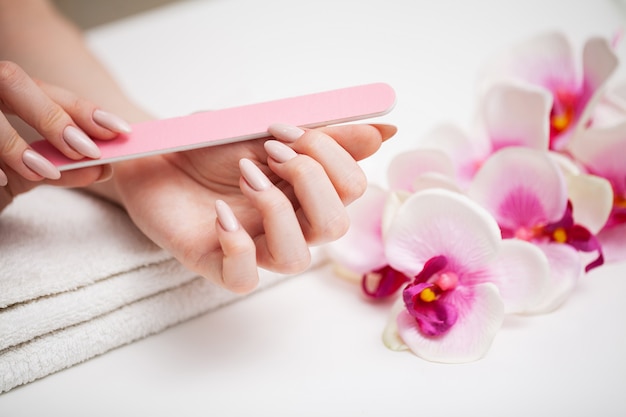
(63,119)
(225,210)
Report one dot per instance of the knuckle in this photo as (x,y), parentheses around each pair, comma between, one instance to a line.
(10,74)
(353,185)
(11,144)
(50,118)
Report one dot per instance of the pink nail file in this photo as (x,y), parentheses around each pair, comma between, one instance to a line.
(234,124)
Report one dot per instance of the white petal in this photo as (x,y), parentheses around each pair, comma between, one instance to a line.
(517,114)
(545,60)
(391,337)
(521,187)
(405,167)
(439,222)
(592,200)
(466,153)
(361,249)
(434,180)
(469,338)
(565,270)
(521,272)
(599,63)
(613,241)
(602,152)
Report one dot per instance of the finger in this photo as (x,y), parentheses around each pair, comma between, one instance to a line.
(239,268)
(17,184)
(15,152)
(95,122)
(282,247)
(321,213)
(360,140)
(342,169)
(21,95)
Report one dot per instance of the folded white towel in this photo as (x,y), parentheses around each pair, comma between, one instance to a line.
(77,279)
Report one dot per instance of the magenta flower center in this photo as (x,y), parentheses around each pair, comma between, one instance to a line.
(563,231)
(563,113)
(383,282)
(425,297)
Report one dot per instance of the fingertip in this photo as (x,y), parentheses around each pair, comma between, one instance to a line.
(386,131)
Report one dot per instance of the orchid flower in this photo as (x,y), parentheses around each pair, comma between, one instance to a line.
(603,153)
(510,114)
(526,193)
(421,169)
(549,61)
(360,253)
(464,277)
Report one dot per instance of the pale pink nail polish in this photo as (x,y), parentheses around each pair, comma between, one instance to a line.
(285,132)
(253,175)
(279,151)
(225,216)
(4,180)
(40,165)
(80,142)
(111,121)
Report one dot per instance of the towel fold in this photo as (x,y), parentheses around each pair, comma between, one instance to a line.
(78,279)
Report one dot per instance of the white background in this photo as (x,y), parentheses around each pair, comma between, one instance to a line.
(312,346)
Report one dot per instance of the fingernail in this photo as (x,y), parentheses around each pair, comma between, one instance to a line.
(40,165)
(279,151)
(80,142)
(285,132)
(105,174)
(253,175)
(3,179)
(111,121)
(226,216)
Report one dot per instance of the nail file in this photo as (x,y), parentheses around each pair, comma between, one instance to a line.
(234,124)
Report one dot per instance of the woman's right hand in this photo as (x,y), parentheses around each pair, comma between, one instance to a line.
(66,121)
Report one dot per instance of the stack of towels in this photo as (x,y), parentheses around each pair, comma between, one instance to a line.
(78,279)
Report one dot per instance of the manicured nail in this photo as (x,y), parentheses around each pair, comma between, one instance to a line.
(285,132)
(279,151)
(225,216)
(106,174)
(253,175)
(80,142)
(111,121)
(40,165)
(3,179)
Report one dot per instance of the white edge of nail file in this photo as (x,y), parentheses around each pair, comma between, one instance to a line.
(234,124)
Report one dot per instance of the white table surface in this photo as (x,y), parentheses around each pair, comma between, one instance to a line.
(311,346)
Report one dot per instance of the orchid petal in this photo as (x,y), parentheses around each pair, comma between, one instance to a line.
(361,248)
(613,241)
(565,270)
(467,154)
(521,187)
(566,164)
(439,222)
(407,166)
(481,313)
(517,115)
(602,152)
(435,180)
(521,272)
(391,337)
(546,60)
(599,63)
(592,199)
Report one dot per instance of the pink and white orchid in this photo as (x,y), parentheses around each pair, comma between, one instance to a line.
(510,114)
(360,253)
(603,153)
(527,194)
(549,61)
(464,277)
